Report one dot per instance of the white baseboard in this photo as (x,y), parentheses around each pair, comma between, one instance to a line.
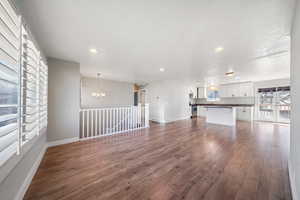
(170,120)
(178,119)
(30,175)
(64,141)
(292,182)
(158,121)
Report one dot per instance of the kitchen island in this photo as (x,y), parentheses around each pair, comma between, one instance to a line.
(223,114)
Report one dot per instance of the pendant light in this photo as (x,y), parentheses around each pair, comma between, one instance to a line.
(98,93)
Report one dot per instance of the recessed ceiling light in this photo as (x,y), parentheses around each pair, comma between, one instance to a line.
(219,49)
(93,50)
(162,69)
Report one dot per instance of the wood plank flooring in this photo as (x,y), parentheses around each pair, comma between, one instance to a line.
(182,160)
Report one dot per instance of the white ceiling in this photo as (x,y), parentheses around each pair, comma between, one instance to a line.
(135,38)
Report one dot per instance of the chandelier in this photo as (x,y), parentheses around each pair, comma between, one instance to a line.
(98,93)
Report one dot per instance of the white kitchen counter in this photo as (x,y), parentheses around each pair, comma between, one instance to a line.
(221,115)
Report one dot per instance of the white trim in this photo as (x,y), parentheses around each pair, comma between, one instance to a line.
(172,120)
(30,175)
(64,141)
(178,119)
(158,121)
(292,181)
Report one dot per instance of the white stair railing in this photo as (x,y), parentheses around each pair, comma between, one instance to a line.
(97,122)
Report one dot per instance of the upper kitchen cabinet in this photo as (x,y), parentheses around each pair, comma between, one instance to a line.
(223,91)
(201,92)
(236,90)
(246,89)
(229,90)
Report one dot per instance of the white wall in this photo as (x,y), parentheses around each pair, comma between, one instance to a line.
(117,93)
(295,117)
(169,100)
(64,99)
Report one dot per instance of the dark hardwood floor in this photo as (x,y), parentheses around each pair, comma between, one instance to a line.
(183,160)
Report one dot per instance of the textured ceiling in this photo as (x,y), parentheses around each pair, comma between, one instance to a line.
(135,38)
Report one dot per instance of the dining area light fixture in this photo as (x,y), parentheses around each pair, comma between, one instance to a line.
(98,93)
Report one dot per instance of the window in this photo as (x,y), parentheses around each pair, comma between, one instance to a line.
(9,81)
(212,93)
(23,85)
(274,104)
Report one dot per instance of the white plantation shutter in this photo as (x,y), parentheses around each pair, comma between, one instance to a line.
(43,87)
(9,81)
(23,85)
(30,88)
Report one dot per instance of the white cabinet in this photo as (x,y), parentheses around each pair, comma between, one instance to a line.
(201,111)
(236,90)
(244,113)
(223,91)
(201,92)
(230,90)
(246,89)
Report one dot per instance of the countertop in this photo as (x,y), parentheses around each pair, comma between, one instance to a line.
(223,105)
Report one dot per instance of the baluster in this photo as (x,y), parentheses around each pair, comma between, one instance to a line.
(114,120)
(116,123)
(92,119)
(107,115)
(103,123)
(147,115)
(128,119)
(99,122)
(96,123)
(88,123)
(136,117)
(123,119)
(110,120)
(82,134)
(131,117)
(117,119)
